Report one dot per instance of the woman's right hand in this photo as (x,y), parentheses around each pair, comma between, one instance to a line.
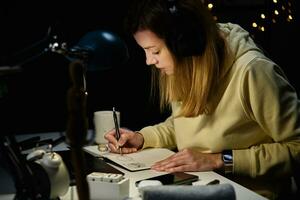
(129,141)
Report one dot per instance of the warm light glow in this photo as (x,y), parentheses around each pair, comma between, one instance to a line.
(262,28)
(254,24)
(274,1)
(290,18)
(274,21)
(263,16)
(210,6)
(282,8)
(276,12)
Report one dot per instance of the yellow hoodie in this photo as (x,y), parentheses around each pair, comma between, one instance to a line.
(257,116)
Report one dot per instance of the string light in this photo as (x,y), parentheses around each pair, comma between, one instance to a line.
(210,6)
(290,18)
(275,11)
(279,11)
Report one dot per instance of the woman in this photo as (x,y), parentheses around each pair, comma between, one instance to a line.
(233,109)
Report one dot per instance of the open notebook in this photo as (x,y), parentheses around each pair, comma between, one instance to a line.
(140,160)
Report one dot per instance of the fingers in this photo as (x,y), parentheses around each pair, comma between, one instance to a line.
(125,136)
(113,145)
(124,141)
(174,162)
(112,148)
(128,150)
(180,161)
(125,150)
(110,137)
(172,167)
(188,160)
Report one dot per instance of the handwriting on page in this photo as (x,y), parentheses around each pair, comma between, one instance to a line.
(129,162)
(140,160)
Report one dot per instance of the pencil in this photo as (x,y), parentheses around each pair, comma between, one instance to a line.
(117,128)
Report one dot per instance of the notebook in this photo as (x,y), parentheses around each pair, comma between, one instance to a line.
(140,160)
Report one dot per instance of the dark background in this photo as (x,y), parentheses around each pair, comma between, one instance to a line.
(34,100)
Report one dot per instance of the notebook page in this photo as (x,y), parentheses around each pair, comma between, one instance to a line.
(140,160)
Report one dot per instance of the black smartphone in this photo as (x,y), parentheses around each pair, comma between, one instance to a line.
(176,178)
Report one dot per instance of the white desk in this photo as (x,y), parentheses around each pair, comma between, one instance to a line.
(242,193)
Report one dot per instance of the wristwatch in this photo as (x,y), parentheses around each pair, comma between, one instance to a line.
(228,161)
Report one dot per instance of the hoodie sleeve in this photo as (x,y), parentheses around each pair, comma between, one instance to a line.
(270,100)
(159,135)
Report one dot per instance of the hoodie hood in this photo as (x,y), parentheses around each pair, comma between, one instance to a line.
(238,40)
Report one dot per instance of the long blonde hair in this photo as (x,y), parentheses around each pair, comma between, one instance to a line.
(193,81)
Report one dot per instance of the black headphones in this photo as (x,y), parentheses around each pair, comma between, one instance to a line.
(187,36)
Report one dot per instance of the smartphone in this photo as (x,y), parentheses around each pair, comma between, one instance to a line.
(176,178)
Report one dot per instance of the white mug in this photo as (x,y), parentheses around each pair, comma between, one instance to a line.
(104,122)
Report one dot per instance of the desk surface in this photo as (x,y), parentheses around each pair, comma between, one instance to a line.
(242,193)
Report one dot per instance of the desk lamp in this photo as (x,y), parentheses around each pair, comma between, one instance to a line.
(96,51)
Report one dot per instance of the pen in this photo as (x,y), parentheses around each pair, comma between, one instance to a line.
(117,128)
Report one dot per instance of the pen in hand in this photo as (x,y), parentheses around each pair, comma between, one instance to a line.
(117,128)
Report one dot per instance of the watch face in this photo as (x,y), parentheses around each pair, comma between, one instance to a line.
(227,157)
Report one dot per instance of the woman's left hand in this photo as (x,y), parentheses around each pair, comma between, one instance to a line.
(190,160)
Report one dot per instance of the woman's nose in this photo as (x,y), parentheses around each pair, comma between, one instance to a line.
(150,60)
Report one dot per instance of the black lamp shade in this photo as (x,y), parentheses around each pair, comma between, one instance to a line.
(105,50)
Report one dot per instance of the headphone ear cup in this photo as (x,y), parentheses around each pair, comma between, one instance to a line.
(41,180)
(186,42)
(187,35)
(38,187)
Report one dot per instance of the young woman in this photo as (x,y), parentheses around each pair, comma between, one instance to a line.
(232,107)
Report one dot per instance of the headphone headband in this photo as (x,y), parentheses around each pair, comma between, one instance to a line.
(187,36)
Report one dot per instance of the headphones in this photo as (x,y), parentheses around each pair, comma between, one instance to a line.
(49,173)
(187,36)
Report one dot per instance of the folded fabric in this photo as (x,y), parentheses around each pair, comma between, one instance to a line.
(189,192)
